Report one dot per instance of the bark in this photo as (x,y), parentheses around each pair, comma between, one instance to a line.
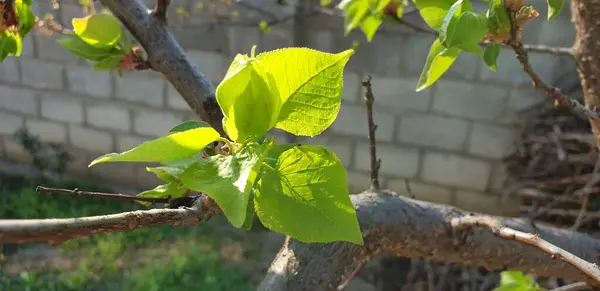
(166,56)
(56,231)
(393,225)
(586,50)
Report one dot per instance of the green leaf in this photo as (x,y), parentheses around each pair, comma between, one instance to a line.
(554,8)
(438,62)
(250,213)
(306,196)
(248,98)
(370,25)
(171,147)
(99,30)
(11,43)
(81,49)
(109,63)
(355,12)
(490,56)
(25,16)
(433,11)
(228,179)
(310,84)
(163,191)
(187,125)
(450,19)
(166,173)
(470,28)
(471,47)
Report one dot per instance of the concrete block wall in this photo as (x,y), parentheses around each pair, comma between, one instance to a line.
(447,141)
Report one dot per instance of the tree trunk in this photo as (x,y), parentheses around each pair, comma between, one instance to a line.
(586,17)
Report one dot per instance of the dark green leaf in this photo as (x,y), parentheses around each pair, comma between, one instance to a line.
(554,8)
(492,51)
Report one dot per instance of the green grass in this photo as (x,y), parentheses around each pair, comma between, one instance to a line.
(154,258)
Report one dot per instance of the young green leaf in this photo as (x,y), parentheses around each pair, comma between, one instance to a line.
(306,196)
(554,8)
(81,49)
(433,11)
(11,43)
(109,63)
(25,16)
(187,125)
(171,147)
(166,173)
(310,84)
(470,28)
(450,20)
(490,56)
(355,11)
(516,281)
(248,98)
(228,179)
(438,62)
(98,30)
(163,191)
(370,25)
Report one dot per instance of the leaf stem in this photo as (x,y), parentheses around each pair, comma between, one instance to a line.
(228,143)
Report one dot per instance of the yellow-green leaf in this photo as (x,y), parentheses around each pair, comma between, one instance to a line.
(248,98)
(310,84)
(172,147)
(305,195)
(433,11)
(438,62)
(99,30)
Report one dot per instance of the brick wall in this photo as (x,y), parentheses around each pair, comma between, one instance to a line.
(448,141)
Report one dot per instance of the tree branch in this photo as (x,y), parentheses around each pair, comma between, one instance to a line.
(56,231)
(591,271)
(166,56)
(404,227)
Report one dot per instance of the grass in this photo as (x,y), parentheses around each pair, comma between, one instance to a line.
(155,258)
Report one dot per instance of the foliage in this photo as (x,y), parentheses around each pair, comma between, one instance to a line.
(517,281)
(459,27)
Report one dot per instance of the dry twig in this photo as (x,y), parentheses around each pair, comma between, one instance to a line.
(375,162)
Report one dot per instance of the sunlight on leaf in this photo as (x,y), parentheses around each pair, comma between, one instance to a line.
(99,30)
(306,196)
(167,148)
(438,62)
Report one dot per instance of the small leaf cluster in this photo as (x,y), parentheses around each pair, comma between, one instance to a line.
(369,15)
(459,27)
(517,281)
(298,190)
(15,22)
(99,38)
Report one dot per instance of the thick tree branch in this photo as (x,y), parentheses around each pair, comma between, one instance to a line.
(404,227)
(56,231)
(167,57)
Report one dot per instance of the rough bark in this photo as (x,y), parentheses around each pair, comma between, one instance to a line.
(586,50)
(399,226)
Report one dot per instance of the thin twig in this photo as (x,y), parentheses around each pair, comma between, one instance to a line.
(560,99)
(591,271)
(579,286)
(77,192)
(586,195)
(352,275)
(375,162)
(56,231)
